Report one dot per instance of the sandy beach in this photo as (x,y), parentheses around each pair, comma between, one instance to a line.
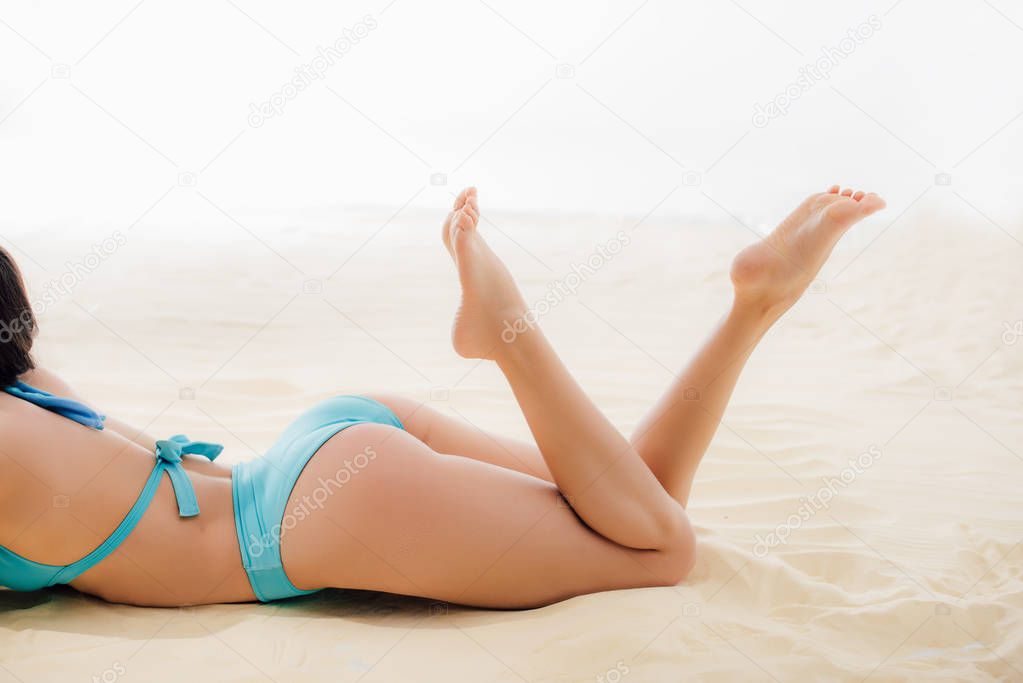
(858,512)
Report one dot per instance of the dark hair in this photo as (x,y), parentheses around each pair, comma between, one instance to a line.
(17,322)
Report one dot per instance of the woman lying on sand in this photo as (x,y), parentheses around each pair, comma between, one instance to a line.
(380,492)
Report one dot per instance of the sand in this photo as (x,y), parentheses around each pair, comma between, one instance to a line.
(876,435)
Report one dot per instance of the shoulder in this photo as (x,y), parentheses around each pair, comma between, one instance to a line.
(44,379)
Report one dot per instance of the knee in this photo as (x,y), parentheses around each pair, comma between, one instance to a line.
(677,555)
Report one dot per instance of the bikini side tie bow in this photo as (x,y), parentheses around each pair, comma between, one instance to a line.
(169,454)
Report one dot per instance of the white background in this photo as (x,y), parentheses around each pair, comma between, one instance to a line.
(156,89)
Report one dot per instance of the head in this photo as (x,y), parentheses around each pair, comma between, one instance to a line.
(17,322)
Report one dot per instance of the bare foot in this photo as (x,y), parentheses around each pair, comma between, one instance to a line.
(491,301)
(773,273)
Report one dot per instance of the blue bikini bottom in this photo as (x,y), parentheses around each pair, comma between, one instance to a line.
(261,487)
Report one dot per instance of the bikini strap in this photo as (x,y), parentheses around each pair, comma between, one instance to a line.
(69,408)
(169,453)
(72,571)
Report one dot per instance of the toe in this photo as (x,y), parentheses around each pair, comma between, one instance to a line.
(463,220)
(845,213)
(858,195)
(871,203)
(847,192)
(834,189)
(460,199)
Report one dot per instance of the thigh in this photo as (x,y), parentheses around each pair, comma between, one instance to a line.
(447,434)
(417,522)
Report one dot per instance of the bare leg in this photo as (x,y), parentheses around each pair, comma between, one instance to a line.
(768,277)
(524,550)
(594,466)
(451,528)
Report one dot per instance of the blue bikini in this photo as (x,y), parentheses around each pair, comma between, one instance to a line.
(260,490)
(262,487)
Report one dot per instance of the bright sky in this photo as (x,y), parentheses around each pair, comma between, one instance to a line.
(112,110)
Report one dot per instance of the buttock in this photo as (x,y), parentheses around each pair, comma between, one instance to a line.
(261,487)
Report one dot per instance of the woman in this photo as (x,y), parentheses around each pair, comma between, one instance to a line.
(380,492)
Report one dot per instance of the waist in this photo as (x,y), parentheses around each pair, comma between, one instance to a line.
(169,560)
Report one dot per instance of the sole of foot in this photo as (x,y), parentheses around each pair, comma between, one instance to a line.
(772,274)
(491,302)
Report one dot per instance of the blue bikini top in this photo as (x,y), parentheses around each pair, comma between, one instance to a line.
(73,410)
(22,574)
